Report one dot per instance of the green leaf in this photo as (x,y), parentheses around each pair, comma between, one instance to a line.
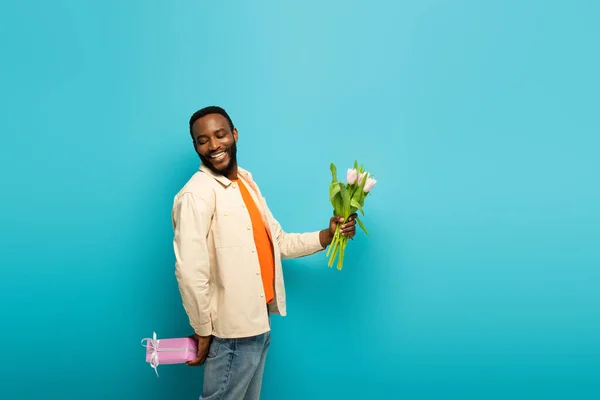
(357,194)
(339,209)
(345,201)
(362,226)
(336,200)
(333,172)
(334,189)
(355,204)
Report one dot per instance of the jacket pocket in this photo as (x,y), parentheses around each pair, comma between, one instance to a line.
(213,349)
(232,227)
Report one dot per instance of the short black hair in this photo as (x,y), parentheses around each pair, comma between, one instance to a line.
(209,110)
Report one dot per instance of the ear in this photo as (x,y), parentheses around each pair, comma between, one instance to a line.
(235,134)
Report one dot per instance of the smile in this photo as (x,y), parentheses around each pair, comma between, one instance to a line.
(218,156)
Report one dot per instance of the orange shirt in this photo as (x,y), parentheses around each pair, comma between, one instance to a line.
(264,249)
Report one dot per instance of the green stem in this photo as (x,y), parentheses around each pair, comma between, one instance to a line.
(335,236)
(334,247)
(330,246)
(333,255)
(342,252)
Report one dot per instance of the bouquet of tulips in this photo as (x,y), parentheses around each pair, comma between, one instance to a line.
(346,199)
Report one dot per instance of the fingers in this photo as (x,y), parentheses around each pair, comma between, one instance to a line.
(199,360)
(338,219)
(195,362)
(349,228)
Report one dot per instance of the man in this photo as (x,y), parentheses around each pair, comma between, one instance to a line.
(228,249)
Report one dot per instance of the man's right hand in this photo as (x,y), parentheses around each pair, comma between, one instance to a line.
(203,343)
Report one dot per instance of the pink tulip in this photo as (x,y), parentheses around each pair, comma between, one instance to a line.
(361,176)
(351,176)
(369,184)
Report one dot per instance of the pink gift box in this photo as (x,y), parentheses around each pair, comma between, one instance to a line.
(169,351)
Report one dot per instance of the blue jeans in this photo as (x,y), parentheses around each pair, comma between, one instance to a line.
(234,368)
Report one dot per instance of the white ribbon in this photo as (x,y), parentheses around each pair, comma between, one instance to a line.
(154,346)
(154,356)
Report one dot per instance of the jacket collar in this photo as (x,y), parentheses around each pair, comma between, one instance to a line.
(222,179)
(247,177)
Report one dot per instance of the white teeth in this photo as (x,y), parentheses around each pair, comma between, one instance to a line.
(218,156)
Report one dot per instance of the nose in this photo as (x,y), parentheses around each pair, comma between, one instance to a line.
(213,143)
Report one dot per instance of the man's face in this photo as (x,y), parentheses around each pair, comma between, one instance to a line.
(215,143)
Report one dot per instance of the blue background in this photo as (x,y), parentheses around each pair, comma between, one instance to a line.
(478,118)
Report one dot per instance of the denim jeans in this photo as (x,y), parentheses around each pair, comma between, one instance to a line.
(234,368)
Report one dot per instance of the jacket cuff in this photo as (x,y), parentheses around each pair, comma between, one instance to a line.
(315,242)
(203,329)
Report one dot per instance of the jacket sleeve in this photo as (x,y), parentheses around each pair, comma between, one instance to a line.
(191,222)
(293,245)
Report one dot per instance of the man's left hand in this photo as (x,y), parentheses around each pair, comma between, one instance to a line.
(346,229)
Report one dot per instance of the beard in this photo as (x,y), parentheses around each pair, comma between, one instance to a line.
(232,152)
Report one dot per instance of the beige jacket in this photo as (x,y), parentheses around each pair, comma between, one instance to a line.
(216,264)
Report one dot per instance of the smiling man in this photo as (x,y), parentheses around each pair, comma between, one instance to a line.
(228,249)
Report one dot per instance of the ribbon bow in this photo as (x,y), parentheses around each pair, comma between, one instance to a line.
(154,356)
